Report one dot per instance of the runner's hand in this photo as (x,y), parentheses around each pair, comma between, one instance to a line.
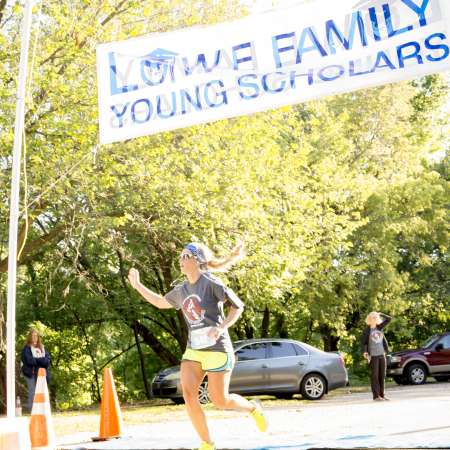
(215,332)
(239,249)
(366,355)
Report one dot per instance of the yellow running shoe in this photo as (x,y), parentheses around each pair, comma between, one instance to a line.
(258,417)
(207,446)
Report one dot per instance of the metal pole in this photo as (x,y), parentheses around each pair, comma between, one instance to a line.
(14,214)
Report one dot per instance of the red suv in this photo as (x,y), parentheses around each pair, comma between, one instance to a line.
(414,366)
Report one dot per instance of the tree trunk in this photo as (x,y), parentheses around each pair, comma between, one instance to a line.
(265,323)
(308,331)
(125,314)
(247,326)
(148,393)
(281,326)
(154,343)
(329,338)
(96,387)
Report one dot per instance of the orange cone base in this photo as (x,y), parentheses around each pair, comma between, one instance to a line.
(101,439)
(42,436)
(110,414)
(38,429)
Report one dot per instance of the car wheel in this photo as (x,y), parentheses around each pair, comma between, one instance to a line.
(203,396)
(400,379)
(442,378)
(313,386)
(178,400)
(416,374)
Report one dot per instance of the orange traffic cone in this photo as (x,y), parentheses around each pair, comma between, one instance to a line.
(110,415)
(42,435)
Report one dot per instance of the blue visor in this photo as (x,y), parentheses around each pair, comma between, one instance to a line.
(198,253)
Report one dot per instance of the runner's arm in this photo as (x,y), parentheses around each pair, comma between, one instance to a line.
(386,320)
(155,299)
(231,318)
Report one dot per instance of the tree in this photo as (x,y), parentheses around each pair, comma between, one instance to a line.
(337,201)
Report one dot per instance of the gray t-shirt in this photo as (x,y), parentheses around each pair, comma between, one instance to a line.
(202,305)
(376,347)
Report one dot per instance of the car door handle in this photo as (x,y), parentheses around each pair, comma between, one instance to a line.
(265,366)
(427,353)
(300,363)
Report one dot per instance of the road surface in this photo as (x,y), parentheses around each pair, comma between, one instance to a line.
(416,416)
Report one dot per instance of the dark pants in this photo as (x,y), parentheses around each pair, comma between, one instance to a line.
(377,375)
(31,384)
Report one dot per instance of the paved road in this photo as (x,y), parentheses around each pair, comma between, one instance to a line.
(416,416)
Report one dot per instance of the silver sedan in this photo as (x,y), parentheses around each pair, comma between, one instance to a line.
(279,367)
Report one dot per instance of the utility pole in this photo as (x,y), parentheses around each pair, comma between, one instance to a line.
(14,213)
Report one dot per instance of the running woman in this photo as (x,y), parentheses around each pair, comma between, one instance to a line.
(209,350)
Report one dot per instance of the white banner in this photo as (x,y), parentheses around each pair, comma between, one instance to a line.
(166,81)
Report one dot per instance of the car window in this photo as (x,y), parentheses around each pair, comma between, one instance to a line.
(300,350)
(281,349)
(429,341)
(445,341)
(252,351)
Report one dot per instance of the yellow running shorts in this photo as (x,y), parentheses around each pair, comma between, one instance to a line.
(210,361)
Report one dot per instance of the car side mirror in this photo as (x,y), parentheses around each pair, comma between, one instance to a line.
(439,347)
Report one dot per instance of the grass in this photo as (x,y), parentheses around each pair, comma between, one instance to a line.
(71,422)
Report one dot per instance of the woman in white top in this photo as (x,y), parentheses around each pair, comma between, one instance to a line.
(34,356)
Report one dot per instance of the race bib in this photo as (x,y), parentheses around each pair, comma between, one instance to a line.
(200,338)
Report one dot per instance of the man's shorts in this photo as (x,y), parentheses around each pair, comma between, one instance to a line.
(210,361)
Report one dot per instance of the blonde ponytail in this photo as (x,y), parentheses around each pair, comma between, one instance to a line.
(215,264)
